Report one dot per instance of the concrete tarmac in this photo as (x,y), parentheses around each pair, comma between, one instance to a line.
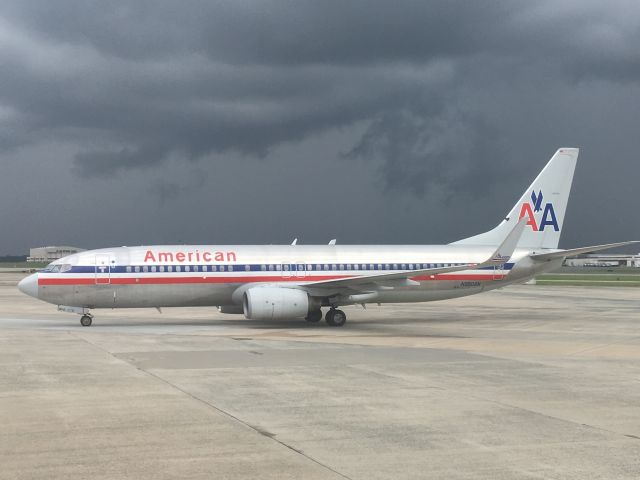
(527,382)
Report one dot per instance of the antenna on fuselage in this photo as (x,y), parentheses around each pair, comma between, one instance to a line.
(332,241)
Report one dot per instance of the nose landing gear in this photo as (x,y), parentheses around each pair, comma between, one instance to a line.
(85,319)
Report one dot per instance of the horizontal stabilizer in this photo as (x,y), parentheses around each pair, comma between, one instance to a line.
(577,251)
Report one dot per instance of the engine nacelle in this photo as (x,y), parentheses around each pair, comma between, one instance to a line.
(273,303)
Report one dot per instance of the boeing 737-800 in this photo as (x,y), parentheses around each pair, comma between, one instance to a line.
(296,281)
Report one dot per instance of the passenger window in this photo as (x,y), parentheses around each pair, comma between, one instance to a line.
(379,266)
(161,268)
(187,268)
(145,269)
(263,268)
(355,266)
(247,268)
(278,267)
(128,269)
(170,268)
(222,268)
(395,266)
(153,269)
(214,268)
(326,266)
(271,268)
(177,268)
(204,268)
(230,268)
(137,269)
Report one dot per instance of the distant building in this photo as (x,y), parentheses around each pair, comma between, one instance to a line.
(49,254)
(611,260)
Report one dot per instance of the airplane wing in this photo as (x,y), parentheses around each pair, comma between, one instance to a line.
(500,256)
(577,251)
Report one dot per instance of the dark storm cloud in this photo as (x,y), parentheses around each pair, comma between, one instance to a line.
(441,99)
(131,84)
(438,151)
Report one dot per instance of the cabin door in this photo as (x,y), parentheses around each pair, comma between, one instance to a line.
(497,271)
(103,269)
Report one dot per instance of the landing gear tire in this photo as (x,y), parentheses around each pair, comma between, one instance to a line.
(86,320)
(335,318)
(314,316)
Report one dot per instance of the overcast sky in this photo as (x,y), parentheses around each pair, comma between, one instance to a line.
(368,121)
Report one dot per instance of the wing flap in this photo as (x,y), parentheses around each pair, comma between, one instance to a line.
(500,256)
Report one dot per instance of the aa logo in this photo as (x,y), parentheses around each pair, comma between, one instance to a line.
(530,210)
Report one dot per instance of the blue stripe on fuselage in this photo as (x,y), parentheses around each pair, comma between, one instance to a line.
(266,268)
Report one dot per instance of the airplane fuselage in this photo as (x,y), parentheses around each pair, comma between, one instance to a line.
(206,275)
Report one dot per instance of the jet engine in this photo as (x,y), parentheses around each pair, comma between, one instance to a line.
(272,303)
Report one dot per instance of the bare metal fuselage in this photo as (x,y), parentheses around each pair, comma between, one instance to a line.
(177,276)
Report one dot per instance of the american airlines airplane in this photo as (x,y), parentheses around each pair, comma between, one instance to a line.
(270,282)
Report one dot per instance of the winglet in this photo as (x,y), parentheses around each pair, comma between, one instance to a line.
(508,245)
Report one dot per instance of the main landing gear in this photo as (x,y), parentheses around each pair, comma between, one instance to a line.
(86,319)
(335,317)
(314,316)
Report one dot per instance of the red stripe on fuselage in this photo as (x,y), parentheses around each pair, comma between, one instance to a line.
(168,280)
(241,279)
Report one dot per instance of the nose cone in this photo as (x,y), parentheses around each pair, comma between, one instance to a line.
(29,285)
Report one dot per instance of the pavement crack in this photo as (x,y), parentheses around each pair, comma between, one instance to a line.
(258,430)
(489,400)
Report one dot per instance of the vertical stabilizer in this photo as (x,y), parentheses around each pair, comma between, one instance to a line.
(543,204)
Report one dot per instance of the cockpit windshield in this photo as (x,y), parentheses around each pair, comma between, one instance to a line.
(57,268)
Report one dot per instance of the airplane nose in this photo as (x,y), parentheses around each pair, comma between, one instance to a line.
(29,285)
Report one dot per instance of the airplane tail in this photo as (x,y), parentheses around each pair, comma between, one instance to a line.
(543,204)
